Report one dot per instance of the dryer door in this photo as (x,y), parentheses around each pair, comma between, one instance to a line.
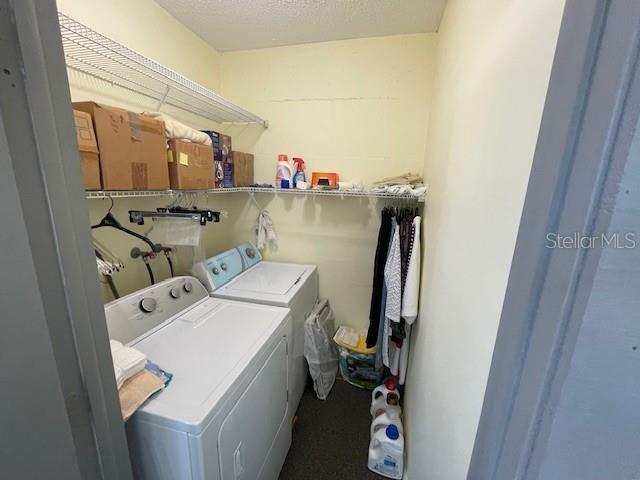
(256,423)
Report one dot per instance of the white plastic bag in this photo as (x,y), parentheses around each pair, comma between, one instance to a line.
(319,349)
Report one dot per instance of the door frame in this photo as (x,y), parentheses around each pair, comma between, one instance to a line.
(45,197)
(590,115)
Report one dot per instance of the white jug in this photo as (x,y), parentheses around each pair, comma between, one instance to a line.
(386,452)
(384,420)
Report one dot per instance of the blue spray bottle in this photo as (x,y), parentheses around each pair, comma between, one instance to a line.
(298,164)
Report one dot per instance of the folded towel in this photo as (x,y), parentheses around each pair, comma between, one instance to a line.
(404,179)
(127,361)
(176,130)
(136,390)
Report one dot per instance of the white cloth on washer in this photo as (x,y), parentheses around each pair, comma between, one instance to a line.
(127,361)
(175,130)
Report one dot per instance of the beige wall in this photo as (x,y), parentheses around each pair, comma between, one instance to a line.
(493,66)
(147,28)
(358,107)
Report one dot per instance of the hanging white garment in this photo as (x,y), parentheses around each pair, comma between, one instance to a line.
(410,297)
(393,283)
(265,233)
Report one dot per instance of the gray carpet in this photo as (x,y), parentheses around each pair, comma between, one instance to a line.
(331,438)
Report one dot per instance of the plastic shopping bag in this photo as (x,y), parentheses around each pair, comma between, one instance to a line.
(319,349)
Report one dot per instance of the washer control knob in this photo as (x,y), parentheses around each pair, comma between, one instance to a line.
(174,292)
(148,304)
(251,253)
(215,270)
(187,287)
(223,266)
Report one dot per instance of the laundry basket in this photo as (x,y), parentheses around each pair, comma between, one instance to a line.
(357,362)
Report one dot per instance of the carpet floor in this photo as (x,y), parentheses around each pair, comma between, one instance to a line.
(331,438)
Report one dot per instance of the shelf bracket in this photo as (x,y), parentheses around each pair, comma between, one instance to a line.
(164,96)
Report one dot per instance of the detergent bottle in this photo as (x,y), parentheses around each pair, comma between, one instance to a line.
(384,420)
(386,452)
(385,398)
(283,170)
(298,165)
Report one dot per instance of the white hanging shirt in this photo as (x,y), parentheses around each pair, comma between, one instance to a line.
(393,277)
(412,285)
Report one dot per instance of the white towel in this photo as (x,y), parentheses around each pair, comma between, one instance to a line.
(265,233)
(127,361)
(175,130)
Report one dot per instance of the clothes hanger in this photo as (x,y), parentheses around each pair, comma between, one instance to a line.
(110,221)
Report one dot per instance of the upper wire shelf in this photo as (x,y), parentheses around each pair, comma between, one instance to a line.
(94,54)
(277,191)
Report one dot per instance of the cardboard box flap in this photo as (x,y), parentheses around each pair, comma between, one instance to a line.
(85,136)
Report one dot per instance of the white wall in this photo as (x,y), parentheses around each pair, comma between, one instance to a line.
(492,70)
(357,107)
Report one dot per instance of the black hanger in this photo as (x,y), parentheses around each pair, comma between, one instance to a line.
(110,221)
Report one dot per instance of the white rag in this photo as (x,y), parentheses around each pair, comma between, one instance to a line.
(265,233)
(127,361)
(175,130)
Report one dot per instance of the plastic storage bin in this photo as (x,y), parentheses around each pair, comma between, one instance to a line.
(357,362)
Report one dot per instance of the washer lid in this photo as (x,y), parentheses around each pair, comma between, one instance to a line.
(270,278)
(207,349)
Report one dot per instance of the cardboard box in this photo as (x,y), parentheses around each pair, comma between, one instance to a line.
(242,169)
(88,146)
(190,165)
(132,148)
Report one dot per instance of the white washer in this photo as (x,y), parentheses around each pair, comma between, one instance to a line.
(242,274)
(225,414)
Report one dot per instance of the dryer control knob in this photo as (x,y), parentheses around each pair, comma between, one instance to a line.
(187,287)
(148,304)
(215,270)
(174,292)
(223,266)
(250,252)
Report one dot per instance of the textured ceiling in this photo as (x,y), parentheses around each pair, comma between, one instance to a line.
(245,24)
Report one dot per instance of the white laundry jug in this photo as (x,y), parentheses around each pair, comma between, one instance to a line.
(384,420)
(386,452)
(385,396)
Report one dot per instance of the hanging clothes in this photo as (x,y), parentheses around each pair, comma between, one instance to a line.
(394,299)
(393,305)
(410,296)
(382,249)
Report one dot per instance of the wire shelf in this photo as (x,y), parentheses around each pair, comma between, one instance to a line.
(87,51)
(275,191)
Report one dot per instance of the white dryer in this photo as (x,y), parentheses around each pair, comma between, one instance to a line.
(225,414)
(242,274)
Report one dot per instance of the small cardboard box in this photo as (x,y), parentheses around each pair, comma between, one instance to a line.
(132,148)
(190,165)
(242,169)
(88,146)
